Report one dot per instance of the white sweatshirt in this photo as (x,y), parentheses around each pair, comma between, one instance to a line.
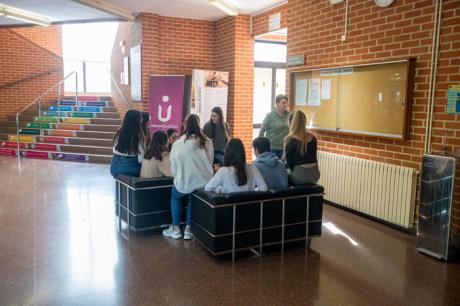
(190,165)
(225,181)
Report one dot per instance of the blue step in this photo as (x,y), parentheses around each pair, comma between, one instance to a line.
(83,103)
(91,109)
(62,108)
(50,114)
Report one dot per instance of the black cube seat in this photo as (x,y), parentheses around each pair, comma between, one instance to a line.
(224,223)
(146,201)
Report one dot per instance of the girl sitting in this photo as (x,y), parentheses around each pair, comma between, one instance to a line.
(156,159)
(236,175)
(128,146)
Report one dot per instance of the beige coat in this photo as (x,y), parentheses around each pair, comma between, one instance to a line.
(154,168)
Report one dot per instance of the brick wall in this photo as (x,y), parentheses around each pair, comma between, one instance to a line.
(375,34)
(34,63)
(260,22)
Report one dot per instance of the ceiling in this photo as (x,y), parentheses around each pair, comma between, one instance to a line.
(67,11)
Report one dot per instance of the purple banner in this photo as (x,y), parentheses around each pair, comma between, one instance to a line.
(166,101)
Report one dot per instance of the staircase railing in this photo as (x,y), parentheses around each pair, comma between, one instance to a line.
(120,92)
(39,100)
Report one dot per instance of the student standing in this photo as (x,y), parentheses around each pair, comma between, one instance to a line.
(128,146)
(156,159)
(191,165)
(275,125)
(218,130)
(145,127)
(172,137)
(270,167)
(301,152)
(236,175)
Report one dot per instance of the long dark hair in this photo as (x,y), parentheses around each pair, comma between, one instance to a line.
(221,120)
(129,135)
(192,128)
(144,126)
(158,145)
(235,156)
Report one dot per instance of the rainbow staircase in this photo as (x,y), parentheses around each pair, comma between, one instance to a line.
(72,131)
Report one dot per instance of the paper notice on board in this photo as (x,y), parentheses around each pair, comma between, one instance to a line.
(314,98)
(301,92)
(326,89)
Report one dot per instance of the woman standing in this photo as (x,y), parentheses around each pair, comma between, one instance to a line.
(218,130)
(128,146)
(300,151)
(156,159)
(236,175)
(172,137)
(191,165)
(275,125)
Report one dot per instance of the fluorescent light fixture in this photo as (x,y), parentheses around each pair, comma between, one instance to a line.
(27,16)
(108,8)
(333,2)
(225,7)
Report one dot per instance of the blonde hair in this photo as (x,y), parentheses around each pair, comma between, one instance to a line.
(298,130)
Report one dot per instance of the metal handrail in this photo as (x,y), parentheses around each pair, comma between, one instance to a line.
(119,89)
(40,107)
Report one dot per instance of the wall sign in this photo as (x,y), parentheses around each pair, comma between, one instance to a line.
(135,65)
(453,99)
(293,60)
(274,22)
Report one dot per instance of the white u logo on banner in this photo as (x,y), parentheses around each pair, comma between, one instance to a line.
(165,99)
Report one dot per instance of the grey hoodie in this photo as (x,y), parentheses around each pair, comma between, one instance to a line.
(272,170)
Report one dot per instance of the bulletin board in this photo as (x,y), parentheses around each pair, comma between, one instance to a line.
(371,99)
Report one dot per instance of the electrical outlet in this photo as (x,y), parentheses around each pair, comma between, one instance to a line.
(343,37)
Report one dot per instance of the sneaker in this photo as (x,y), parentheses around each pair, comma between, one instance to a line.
(187,233)
(173,232)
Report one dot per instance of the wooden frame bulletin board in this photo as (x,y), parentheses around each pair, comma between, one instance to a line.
(370,99)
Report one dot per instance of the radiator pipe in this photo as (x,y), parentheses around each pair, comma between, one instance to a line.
(433,74)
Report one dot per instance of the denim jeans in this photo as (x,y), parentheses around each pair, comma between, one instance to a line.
(176,206)
(218,157)
(125,165)
(278,153)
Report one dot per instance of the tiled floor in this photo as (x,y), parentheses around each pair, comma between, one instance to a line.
(59,245)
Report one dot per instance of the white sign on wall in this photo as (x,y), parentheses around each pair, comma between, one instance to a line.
(274,22)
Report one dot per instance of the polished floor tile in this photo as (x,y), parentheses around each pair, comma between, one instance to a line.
(60,246)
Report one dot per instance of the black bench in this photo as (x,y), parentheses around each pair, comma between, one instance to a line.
(226,223)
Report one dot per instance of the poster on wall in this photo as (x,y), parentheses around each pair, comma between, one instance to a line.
(135,67)
(209,89)
(166,93)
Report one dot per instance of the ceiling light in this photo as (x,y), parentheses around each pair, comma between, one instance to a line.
(108,8)
(225,7)
(15,13)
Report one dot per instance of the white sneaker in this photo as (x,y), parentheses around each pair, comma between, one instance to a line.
(173,232)
(187,233)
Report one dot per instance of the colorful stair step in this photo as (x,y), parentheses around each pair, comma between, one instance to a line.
(7,152)
(44,146)
(37,125)
(88,98)
(72,127)
(51,139)
(76,120)
(81,115)
(63,133)
(27,131)
(84,103)
(51,114)
(13,144)
(22,138)
(36,154)
(93,109)
(72,157)
(61,108)
(46,119)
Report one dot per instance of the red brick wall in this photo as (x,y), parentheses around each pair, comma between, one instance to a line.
(377,34)
(235,54)
(260,22)
(26,56)
(130,34)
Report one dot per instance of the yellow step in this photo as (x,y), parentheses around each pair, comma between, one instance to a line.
(76,120)
(22,138)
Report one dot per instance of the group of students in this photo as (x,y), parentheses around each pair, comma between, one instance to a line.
(210,158)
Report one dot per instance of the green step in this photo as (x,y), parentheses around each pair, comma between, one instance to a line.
(46,119)
(29,132)
(37,125)
(82,115)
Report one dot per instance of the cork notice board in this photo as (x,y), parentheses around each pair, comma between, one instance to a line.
(372,99)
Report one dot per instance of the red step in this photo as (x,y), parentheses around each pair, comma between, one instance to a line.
(12,144)
(8,152)
(36,154)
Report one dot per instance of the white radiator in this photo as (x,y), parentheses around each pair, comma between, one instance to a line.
(377,189)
